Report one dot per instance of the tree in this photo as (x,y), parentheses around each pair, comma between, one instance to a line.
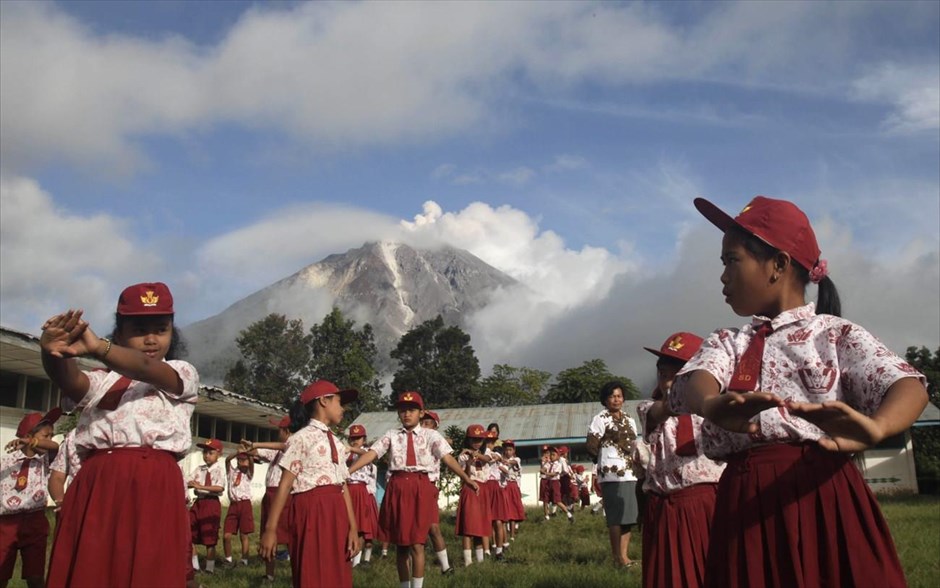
(449,484)
(346,356)
(512,386)
(275,353)
(583,383)
(438,362)
(926,440)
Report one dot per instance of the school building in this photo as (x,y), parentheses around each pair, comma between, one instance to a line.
(219,413)
(888,468)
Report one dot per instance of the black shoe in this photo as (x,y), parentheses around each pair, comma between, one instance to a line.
(448,572)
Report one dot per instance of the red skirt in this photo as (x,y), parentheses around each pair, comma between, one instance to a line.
(496,500)
(675,536)
(407,509)
(367,513)
(516,510)
(473,514)
(283,531)
(204,520)
(554,491)
(27,533)
(319,526)
(543,490)
(798,516)
(123,523)
(585,496)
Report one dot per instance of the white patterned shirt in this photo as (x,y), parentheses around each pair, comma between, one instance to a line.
(367,475)
(429,446)
(34,495)
(66,460)
(614,439)
(808,357)
(142,416)
(308,456)
(478,471)
(273,458)
(667,471)
(216,478)
(239,486)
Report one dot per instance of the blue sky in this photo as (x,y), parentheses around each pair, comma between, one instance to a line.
(174,141)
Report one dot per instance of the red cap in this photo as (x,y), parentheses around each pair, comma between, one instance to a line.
(32,420)
(357,431)
(322,388)
(563,450)
(552,448)
(410,399)
(681,346)
(492,435)
(242,455)
(778,223)
(509,443)
(211,444)
(430,414)
(283,423)
(476,432)
(144,299)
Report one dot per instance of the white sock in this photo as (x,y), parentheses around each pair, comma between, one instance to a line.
(195,562)
(384,552)
(405,584)
(357,559)
(479,554)
(367,554)
(229,559)
(467,557)
(269,577)
(499,551)
(417,582)
(554,508)
(210,565)
(570,516)
(244,561)
(547,517)
(442,559)
(506,545)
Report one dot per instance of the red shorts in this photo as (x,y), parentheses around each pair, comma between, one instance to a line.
(554,491)
(283,531)
(25,532)
(205,518)
(240,518)
(543,489)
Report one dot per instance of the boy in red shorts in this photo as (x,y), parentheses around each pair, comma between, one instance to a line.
(240,518)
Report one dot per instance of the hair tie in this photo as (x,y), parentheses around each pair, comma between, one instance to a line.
(819,271)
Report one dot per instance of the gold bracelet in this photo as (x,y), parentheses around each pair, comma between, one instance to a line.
(107,349)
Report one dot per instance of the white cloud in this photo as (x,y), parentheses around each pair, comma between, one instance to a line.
(442,171)
(52,259)
(564,163)
(913,92)
(517,177)
(326,75)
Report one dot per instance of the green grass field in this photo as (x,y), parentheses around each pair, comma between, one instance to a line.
(550,554)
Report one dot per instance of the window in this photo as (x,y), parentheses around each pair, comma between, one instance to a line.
(204,427)
(9,386)
(237,432)
(251,433)
(36,393)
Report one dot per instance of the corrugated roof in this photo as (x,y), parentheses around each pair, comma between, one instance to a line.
(532,423)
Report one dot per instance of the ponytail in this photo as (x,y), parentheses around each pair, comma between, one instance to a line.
(827,300)
(300,415)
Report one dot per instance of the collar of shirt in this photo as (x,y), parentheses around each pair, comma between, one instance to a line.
(787,317)
(318,425)
(404,431)
(18,455)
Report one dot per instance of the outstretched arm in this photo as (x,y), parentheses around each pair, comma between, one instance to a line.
(364,460)
(451,463)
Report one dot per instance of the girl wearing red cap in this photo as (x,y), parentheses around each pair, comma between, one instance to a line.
(788,398)
(272,453)
(323,533)
(134,426)
(493,493)
(680,480)
(24,474)
(512,471)
(361,486)
(473,509)
(408,507)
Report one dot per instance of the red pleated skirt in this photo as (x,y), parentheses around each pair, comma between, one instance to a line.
(123,523)
(496,500)
(283,530)
(543,490)
(798,516)
(514,502)
(319,526)
(473,514)
(407,509)
(675,536)
(367,513)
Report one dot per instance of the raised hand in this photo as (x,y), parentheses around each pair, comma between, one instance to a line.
(846,429)
(733,411)
(67,335)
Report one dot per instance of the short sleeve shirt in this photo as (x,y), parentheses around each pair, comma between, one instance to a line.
(429,446)
(273,458)
(365,475)
(143,416)
(478,471)
(309,457)
(216,478)
(615,438)
(66,460)
(808,357)
(34,495)
(239,486)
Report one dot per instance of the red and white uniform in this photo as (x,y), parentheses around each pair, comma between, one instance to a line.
(239,485)
(361,485)
(429,446)
(33,496)
(367,475)
(309,457)
(667,470)
(808,357)
(66,460)
(23,524)
(473,509)
(273,458)
(217,477)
